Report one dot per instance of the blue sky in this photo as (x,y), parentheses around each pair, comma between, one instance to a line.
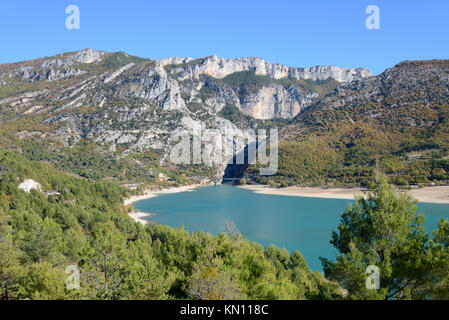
(292,32)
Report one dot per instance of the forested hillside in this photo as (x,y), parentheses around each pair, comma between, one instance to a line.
(82,224)
(86,225)
(396,122)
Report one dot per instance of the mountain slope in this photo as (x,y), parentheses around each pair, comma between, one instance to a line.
(396,121)
(120,110)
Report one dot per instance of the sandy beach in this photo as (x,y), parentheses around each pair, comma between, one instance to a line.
(426,194)
(150,194)
(140,216)
(431,194)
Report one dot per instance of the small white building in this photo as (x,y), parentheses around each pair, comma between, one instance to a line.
(30,184)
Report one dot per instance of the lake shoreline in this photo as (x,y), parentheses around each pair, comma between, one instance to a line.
(148,194)
(438,195)
(294,223)
(138,216)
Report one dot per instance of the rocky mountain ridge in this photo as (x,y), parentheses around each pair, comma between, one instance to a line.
(403,90)
(217,67)
(163,81)
(395,122)
(120,100)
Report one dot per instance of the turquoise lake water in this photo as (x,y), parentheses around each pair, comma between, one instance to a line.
(294,223)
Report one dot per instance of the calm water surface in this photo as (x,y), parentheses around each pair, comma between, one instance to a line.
(288,222)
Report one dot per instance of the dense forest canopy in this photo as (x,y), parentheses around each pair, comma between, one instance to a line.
(86,225)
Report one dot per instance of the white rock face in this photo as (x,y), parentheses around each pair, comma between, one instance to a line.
(325,72)
(117,73)
(87,56)
(192,125)
(221,67)
(59,74)
(82,56)
(174,60)
(58,68)
(30,184)
(221,97)
(154,85)
(275,101)
(126,138)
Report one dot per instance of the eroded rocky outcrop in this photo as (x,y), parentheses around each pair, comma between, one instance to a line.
(217,67)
